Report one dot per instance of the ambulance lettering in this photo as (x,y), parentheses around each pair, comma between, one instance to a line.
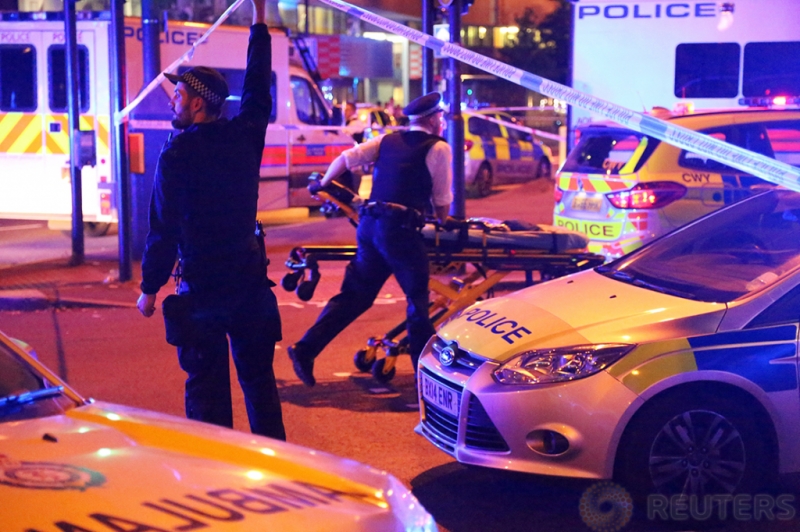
(508,330)
(691,177)
(224,505)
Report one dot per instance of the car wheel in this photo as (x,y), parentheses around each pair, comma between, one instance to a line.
(545,168)
(482,185)
(696,445)
(96,228)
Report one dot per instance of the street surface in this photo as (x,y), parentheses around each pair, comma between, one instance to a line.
(114,354)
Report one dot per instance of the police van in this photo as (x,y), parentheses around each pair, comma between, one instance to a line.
(699,64)
(34,131)
(704,54)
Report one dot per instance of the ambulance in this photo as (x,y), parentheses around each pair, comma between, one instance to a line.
(71,463)
(34,133)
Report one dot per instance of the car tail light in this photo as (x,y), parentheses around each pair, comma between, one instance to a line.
(468,145)
(648,195)
(557,194)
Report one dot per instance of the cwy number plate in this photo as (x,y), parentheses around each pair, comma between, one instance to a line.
(440,396)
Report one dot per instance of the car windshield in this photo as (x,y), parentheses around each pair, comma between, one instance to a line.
(24,394)
(723,256)
(611,151)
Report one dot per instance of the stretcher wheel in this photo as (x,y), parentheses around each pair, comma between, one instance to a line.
(305,291)
(364,359)
(379,371)
(289,281)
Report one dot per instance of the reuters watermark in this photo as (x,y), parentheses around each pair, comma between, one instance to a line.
(608,507)
(744,507)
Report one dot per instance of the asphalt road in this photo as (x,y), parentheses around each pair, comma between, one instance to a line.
(115,355)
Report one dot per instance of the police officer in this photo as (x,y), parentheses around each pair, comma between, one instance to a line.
(203,209)
(412,173)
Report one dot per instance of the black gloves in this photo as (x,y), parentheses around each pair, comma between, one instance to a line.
(314,185)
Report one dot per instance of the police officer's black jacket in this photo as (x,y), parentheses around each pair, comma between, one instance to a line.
(205,192)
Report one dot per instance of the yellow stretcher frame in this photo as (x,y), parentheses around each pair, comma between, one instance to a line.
(489,267)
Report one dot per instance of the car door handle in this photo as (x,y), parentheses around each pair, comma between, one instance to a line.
(301,138)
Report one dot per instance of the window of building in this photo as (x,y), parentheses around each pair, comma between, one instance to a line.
(57,62)
(17,77)
(707,70)
(771,69)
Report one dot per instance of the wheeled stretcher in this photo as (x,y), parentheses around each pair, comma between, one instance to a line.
(478,253)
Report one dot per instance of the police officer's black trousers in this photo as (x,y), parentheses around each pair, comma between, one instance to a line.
(385,247)
(246,316)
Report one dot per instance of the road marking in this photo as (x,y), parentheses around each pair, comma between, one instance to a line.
(22,227)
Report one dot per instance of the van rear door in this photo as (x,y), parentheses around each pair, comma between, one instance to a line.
(22,101)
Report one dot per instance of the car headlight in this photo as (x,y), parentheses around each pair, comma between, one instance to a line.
(559,364)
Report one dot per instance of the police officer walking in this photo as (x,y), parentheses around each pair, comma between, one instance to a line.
(412,173)
(203,210)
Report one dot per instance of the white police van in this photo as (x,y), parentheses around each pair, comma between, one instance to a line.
(706,54)
(34,133)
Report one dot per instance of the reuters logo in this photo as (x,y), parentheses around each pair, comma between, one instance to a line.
(606,507)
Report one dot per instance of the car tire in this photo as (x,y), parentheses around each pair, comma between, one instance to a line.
(665,449)
(96,228)
(482,184)
(544,169)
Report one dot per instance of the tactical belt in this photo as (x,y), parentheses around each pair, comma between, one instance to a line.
(385,209)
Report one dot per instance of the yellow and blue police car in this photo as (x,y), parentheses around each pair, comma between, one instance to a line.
(67,463)
(622,188)
(673,369)
(500,150)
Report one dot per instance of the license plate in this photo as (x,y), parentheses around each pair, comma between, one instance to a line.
(587,203)
(440,396)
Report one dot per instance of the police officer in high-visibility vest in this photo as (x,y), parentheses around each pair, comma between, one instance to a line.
(412,175)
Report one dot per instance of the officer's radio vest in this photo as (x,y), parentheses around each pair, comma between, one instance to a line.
(400,174)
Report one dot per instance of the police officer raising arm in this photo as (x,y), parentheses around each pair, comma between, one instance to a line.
(412,174)
(203,211)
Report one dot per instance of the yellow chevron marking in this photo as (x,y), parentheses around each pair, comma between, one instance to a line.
(18,124)
(30,140)
(57,143)
(103,132)
(35,146)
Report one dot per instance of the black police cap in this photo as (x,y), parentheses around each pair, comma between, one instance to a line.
(206,81)
(423,106)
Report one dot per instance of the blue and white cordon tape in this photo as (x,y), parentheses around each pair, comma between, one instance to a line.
(745,160)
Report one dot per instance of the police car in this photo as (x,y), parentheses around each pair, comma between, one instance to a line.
(673,369)
(500,150)
(68,463)
(622,188)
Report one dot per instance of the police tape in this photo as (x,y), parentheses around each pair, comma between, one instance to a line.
(718,150)
(187,56)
